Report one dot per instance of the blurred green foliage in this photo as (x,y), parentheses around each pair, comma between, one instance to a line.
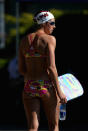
(57,13)
(3,62)
(26,21)
(85,12)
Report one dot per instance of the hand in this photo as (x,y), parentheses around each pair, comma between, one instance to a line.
(63,98)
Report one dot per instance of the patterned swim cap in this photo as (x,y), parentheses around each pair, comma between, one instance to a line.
(43,16)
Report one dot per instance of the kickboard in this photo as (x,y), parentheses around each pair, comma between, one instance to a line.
(70,86)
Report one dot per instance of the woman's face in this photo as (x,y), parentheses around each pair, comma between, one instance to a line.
(50,26)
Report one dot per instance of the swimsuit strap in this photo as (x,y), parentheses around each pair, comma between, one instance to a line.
(30,37)
(32,41)
(33,51)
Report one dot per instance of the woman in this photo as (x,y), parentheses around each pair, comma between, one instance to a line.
(37,65)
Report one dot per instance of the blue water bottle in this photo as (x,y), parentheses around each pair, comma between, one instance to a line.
(62,115)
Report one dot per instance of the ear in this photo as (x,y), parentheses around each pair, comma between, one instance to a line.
(47,23)
(44,24)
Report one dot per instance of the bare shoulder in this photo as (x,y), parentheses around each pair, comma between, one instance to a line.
(51,41)
(48,39)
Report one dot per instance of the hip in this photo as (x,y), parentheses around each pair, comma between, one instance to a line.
(37,88)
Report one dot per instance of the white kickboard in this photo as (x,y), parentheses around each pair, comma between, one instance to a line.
(70,86)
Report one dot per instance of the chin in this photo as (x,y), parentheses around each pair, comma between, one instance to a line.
(51,32)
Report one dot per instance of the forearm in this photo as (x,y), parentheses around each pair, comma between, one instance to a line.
(21,67)
(54,77)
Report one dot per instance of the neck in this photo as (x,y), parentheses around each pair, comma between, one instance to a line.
(41,31)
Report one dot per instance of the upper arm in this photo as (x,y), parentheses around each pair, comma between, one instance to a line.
(51,52)
(21,59)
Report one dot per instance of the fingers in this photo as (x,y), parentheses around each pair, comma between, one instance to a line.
(63,101)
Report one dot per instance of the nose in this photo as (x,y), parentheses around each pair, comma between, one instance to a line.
(54,26)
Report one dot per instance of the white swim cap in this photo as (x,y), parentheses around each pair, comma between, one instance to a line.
(43,16)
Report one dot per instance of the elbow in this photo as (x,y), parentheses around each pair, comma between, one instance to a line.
(21,71)
(51,68)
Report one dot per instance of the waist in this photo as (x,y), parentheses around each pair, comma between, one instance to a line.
(34,77)
(39,81)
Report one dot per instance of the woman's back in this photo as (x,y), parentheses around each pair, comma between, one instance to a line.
(35,55)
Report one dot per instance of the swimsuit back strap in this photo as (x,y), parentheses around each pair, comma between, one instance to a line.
(33,41)
(30,39)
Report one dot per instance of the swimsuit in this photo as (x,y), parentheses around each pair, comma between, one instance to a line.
(32,52)
(35,87)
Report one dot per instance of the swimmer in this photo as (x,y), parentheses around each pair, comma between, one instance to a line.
(37,65)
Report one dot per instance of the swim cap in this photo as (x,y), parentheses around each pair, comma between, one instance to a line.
(43,16)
